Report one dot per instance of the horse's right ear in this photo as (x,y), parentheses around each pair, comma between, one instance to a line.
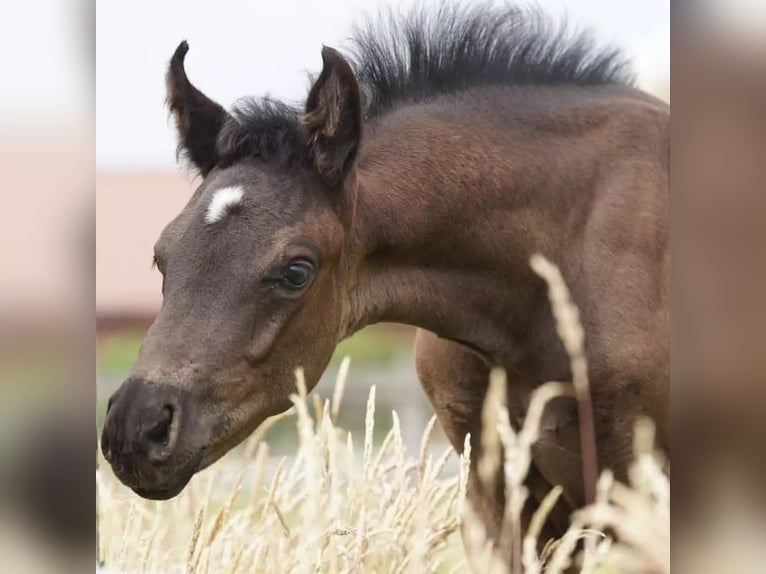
(198,119)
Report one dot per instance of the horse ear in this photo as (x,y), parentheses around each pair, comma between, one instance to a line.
(334,118)
(198,119)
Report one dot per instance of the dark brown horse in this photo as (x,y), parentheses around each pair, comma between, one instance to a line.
(413,187)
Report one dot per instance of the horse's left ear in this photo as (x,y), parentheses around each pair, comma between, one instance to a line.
(334,118)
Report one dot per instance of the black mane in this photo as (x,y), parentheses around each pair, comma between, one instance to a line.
(425,53)
(452,48)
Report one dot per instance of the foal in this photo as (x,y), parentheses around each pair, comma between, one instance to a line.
(412,187)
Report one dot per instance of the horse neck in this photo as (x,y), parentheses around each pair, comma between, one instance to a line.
(444,229)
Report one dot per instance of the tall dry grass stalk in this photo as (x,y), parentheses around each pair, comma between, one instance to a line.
(570,331)
(333,509)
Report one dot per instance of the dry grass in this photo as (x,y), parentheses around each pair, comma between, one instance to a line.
(338,507)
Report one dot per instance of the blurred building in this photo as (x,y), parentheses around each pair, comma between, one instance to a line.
(133,207)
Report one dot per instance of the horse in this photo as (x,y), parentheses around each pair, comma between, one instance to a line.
(425,167)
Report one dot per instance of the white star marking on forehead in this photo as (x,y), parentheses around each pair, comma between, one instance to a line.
(222,202)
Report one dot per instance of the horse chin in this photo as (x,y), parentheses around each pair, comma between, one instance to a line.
(174,485)
(163,493)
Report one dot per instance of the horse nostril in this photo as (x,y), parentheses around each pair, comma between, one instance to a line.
(159,434)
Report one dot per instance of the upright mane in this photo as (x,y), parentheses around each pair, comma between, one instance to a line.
(415,56)
(451,48)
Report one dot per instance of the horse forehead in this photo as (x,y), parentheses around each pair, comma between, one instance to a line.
(226,199)
(254,189)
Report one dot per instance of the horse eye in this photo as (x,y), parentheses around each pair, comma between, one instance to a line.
(297,274)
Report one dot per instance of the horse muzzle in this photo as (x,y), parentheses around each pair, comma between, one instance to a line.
(153,437)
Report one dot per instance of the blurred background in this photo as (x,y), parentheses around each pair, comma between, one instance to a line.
(47,327)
